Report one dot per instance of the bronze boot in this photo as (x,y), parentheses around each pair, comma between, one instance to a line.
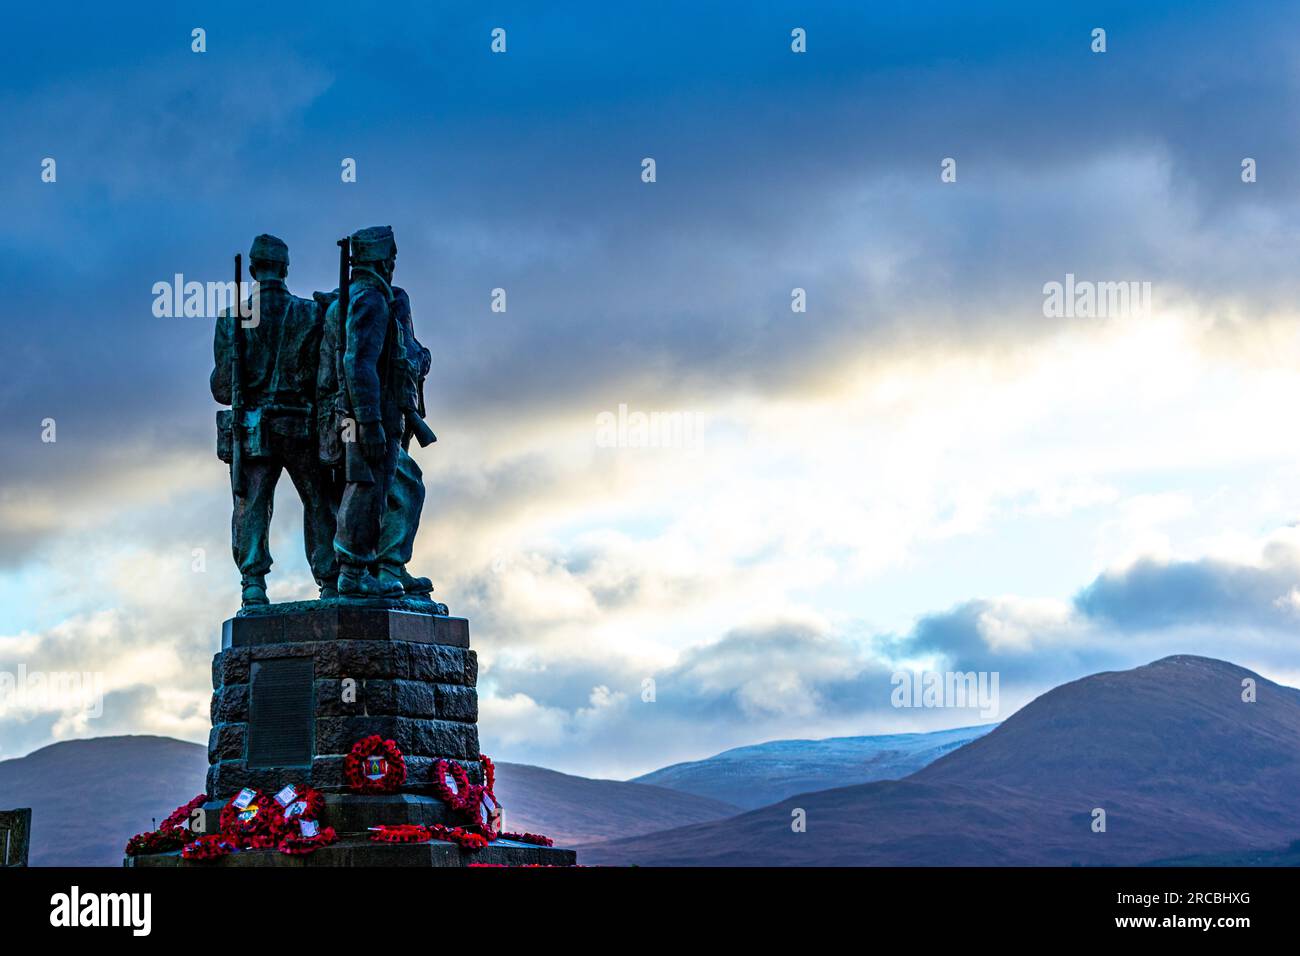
(405,581)
(356,581)
(254,590)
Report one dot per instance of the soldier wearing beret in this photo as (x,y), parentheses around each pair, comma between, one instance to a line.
(405,375)
(373,382)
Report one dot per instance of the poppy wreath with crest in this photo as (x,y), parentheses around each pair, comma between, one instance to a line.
(358,766)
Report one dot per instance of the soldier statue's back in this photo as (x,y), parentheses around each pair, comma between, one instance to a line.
(375,378)
(266,370)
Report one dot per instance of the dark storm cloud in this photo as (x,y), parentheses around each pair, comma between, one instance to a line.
(954,632)
(1050,653)
(521,172)
(1153,594)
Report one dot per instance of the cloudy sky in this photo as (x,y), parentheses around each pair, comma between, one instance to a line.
(921,470)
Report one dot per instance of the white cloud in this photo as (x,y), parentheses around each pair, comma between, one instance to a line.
(587,570)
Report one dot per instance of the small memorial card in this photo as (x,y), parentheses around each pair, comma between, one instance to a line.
(490,813)
(245,797)
(308,828)
(296,808)
(286,796)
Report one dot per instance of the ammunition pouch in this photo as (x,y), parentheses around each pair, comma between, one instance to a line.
(254,434)
(225,435)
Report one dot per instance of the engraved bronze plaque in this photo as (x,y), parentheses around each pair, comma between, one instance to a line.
(280,723)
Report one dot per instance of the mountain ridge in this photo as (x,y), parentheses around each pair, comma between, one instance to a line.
(1179,763)
(756,775)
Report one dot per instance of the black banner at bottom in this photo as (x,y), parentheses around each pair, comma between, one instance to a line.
(333,906)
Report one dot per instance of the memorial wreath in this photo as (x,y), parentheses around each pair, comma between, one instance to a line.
(374,765)
(172,835)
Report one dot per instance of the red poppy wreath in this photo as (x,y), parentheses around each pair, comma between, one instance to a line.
(181,815)
(157,841)
(209,847)
(172,835)
(307,837)
(308,803)
(374,765)
(451,784)
(253,822)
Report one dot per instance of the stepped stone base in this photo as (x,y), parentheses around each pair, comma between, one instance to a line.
(296,685)
(353,814)
(361,852)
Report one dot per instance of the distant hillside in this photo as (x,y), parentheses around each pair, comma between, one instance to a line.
(581,810)
(1282,856)
(1178,762)
(88,797)
(761,774)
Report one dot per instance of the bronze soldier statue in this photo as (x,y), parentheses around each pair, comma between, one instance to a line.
(374,375)
(266,370)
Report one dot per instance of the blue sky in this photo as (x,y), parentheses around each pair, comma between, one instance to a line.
(921,470)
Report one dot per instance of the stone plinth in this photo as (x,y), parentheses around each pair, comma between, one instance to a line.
(295,686)
(375,620)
